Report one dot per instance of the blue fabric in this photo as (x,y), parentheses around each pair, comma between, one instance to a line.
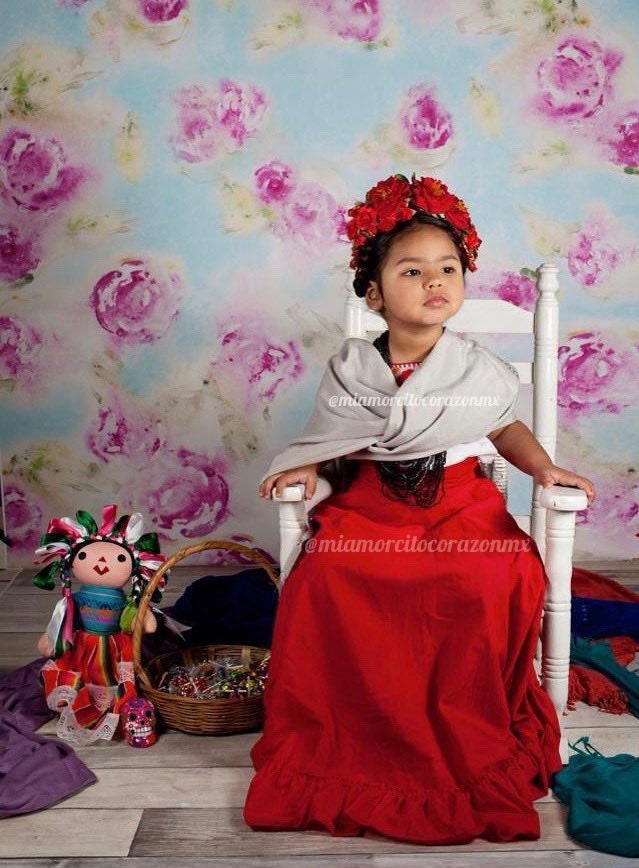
(98,609)
(598,618)
(235,610)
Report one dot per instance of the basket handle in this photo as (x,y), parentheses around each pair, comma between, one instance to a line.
(165,567)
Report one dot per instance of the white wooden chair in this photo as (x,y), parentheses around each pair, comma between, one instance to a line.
(551,521)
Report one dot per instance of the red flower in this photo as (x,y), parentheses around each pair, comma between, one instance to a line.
(388,198)
(396,199)
(472,239)
(432,196)
(390,220)
(458,216)
(363,223)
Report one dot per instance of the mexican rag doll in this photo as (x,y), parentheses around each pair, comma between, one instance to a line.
(89,678)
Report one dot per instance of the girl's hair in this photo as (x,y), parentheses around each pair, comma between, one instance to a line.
(372,254)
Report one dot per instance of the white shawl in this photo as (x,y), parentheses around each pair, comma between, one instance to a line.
(459,393)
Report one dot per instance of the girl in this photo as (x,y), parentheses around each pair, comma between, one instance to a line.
(402,698)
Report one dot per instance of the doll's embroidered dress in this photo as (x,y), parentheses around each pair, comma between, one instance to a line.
(91,681)
(402,698)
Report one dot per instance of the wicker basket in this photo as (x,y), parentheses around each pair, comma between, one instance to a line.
(200,716)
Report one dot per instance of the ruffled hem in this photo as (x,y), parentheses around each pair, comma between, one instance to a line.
(495,805)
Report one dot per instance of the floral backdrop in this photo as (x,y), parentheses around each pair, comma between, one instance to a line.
(174,176)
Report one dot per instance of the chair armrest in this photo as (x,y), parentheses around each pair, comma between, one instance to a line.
(290,494)
(563,498)
(295,493)
(293,520)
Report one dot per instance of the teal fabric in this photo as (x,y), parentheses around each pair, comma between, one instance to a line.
(602,794)
(598,655)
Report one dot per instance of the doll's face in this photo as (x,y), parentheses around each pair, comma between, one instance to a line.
(102,563)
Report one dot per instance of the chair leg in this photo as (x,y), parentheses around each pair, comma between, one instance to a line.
(555,660)
(293,532)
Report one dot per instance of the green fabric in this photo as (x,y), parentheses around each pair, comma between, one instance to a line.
(149,542)
(598,655)
(602,794)
(128,614)
(87,521)
(45,578)
(54,536)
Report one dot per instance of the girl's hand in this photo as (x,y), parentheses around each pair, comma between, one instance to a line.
(553,475)
(306,474)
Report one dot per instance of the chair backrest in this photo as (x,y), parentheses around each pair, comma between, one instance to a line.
(494,316)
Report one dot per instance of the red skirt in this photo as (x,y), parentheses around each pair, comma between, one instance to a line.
(402,698)
(89,684)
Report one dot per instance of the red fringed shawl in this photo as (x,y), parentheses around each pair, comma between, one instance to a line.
(587,685)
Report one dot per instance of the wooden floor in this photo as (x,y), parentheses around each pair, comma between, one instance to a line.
(180,802)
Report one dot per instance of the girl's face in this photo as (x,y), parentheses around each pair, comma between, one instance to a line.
(421,279)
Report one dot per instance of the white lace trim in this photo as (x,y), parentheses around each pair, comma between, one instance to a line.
(405,364)
(101,696)
(60,697)
(70,730)
(125,671)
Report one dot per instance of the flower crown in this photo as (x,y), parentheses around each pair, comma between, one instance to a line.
(396,199)
(64,537)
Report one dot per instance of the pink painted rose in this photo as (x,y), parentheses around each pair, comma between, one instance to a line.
(157,11)
(210,122)
(576,80)
(19,253)
(424,122)
(183,493)
(310,215)
(240,110)
(120,431)
(20,346)
(590,256)
(508,285)
(340,224)
(199,136)
(260,367)
(137,302)
(274,182)
(620,139)
(596,375)
(224,557)
(34,172)
(359,20)
(24,517)
(616,506)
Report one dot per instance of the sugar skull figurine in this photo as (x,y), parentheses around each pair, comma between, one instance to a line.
(90,677)
(138,716)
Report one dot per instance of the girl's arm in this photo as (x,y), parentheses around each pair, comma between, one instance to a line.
(520,447)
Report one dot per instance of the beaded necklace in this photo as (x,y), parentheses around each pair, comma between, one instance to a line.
(417,480)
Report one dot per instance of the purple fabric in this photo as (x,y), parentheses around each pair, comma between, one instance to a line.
(36,771)
(21,693)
